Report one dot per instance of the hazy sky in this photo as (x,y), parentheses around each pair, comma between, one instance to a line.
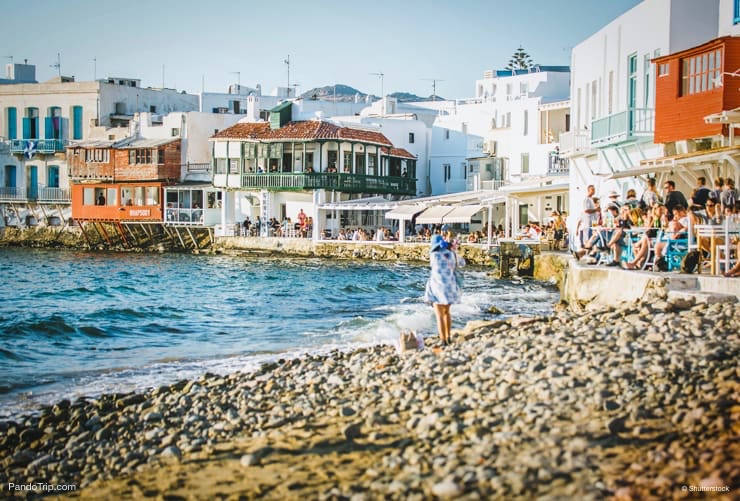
(329,41)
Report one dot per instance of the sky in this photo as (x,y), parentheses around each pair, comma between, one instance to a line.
(208,44)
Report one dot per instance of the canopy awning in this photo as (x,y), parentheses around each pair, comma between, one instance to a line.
(462,213)
(404,212)
(640,172)
(433,215)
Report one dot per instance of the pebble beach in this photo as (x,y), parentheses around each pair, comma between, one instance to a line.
(633,401)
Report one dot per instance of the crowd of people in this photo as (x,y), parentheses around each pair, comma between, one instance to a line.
(654,229)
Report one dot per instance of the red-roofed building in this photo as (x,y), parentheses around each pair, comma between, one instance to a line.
(274,169)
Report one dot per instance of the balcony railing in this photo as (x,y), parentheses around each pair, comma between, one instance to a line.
(349,183)
(629,125)
(12,194)
(574,142)
(46,194)
(44,146)
(558,165)
(41,194)
(200,167)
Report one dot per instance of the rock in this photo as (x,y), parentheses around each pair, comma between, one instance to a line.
(352,431)
(171,453)
(249,460)
(446,489)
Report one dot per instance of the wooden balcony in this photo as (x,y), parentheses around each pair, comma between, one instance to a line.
(348,183)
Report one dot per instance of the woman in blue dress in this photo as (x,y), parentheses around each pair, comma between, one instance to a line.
(442,289)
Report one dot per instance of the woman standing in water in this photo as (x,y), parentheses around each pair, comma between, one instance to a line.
(442,289)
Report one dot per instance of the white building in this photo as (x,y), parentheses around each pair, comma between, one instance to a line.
(613,91)
(38,120)
(506,135)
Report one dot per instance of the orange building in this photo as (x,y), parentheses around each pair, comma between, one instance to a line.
(122,181)
(695,83)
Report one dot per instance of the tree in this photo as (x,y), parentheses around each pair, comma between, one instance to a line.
(520,60)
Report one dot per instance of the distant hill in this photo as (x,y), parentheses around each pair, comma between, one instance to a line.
(345,93)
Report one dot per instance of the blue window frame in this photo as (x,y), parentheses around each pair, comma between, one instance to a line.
(12,123)
(76,122)
(735,11)
(52,176)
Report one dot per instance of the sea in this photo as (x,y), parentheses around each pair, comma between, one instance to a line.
(79,324)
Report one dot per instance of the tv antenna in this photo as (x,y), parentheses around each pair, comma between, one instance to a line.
(95,68)
(434,86)
(287,62)
(381,75)
(58,64)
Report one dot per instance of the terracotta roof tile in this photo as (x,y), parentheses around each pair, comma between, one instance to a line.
(242,131)
(398,152)
(307,130)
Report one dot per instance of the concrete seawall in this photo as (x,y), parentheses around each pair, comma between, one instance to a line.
(579,284)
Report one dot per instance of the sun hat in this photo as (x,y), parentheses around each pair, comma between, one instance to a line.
(613,194)
(437,243)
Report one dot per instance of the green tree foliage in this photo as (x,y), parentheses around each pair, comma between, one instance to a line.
(520,60)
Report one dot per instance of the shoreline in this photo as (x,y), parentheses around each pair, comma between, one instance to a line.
(588,404)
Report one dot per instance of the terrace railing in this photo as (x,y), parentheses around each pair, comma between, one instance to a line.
(349,183)
(629,125)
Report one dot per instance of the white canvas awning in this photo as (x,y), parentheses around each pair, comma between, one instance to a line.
(462,214)
(404,212)
(433,215)
(640,172)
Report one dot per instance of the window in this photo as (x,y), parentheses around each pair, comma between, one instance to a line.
(647,70)
(632,81)
(12,117)
(525,163)
(52,176)
(31,124)
(220,166)
(610,97)
(97,155)
(701,73)
(663,69)
(447,171)
(175,132)
(234,166)
(53,123)
(735,11)
(464,168)
(152,195)
(152,109)
(447,133)
(127,196)
(523,89)
(411,138)
(76,122)
(526,123)
(141,156)
(507,119)
(88,196)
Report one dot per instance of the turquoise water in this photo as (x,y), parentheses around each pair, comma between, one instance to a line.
(75,324)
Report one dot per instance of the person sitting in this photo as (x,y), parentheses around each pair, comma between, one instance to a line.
(676,230)
(735,270)
(618,241)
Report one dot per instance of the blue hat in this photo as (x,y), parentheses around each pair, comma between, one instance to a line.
(437,243)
